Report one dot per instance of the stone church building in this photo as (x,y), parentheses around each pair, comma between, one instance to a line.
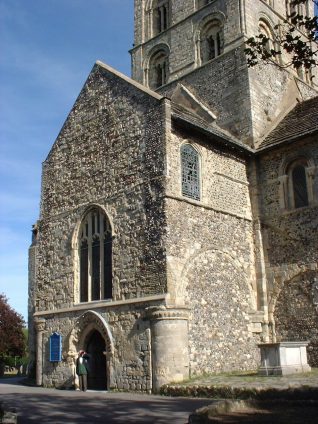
(178,221)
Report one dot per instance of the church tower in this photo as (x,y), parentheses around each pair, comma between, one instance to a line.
(200,43)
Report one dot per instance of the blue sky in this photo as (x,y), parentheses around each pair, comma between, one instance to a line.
(48,48)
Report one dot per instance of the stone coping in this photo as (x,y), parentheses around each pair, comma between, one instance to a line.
(102,304)
(129,80)
(284,344)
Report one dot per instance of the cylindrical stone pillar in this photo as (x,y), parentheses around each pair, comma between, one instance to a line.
(40,327)
(169,345)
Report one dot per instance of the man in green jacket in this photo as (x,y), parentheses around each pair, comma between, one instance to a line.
(81,369)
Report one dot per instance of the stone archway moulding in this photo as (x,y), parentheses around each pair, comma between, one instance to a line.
(84,325)
(289,277)
(188,263)
(81,215)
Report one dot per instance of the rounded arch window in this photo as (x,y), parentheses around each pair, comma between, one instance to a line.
(190,172)
(211,40)
(95,257)
(298,187)
(292,8)
(158,69)
(266,32)
(160,11)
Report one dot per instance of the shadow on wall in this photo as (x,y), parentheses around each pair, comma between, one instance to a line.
(296,313)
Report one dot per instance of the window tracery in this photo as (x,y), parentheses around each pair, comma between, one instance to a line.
(95,256)
(190,170)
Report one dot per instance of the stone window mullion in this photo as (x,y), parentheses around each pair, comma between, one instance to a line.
(90,250)
(310,177)
(150,26)
(102,239)
(161,19)
(95,257)
(216,46)
(283,192)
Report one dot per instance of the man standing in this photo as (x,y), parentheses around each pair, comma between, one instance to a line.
(81,369)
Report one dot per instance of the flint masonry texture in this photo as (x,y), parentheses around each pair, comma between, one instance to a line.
(197,284)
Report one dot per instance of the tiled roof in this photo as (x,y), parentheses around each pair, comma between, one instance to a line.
(301,121)
(186,117)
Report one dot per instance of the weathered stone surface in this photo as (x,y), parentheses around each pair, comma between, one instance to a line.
(196,284)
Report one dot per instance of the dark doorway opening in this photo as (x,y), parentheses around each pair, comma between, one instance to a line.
(97,370)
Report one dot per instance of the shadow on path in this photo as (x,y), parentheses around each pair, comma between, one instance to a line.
(35,405)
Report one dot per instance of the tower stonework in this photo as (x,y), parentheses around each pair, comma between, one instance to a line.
(247,101)
(179,208)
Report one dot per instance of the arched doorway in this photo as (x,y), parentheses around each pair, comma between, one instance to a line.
(92,334)
(97,372)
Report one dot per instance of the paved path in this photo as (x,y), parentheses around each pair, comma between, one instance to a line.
(50,406)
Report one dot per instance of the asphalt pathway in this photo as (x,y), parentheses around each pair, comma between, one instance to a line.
(39,405)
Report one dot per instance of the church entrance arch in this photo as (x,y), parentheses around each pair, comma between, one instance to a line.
(97,369)
(92,334)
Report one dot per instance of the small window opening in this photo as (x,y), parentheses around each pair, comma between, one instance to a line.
(190,169)
(211,41)
(299,186)
(160,16)
(158,70)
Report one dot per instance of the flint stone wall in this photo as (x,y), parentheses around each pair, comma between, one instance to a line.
(291,250)
(210,253)
(130,367)
(110,154)
(291,234)
(296,313)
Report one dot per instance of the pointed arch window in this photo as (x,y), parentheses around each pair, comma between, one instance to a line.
(190,171)
(95,256)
